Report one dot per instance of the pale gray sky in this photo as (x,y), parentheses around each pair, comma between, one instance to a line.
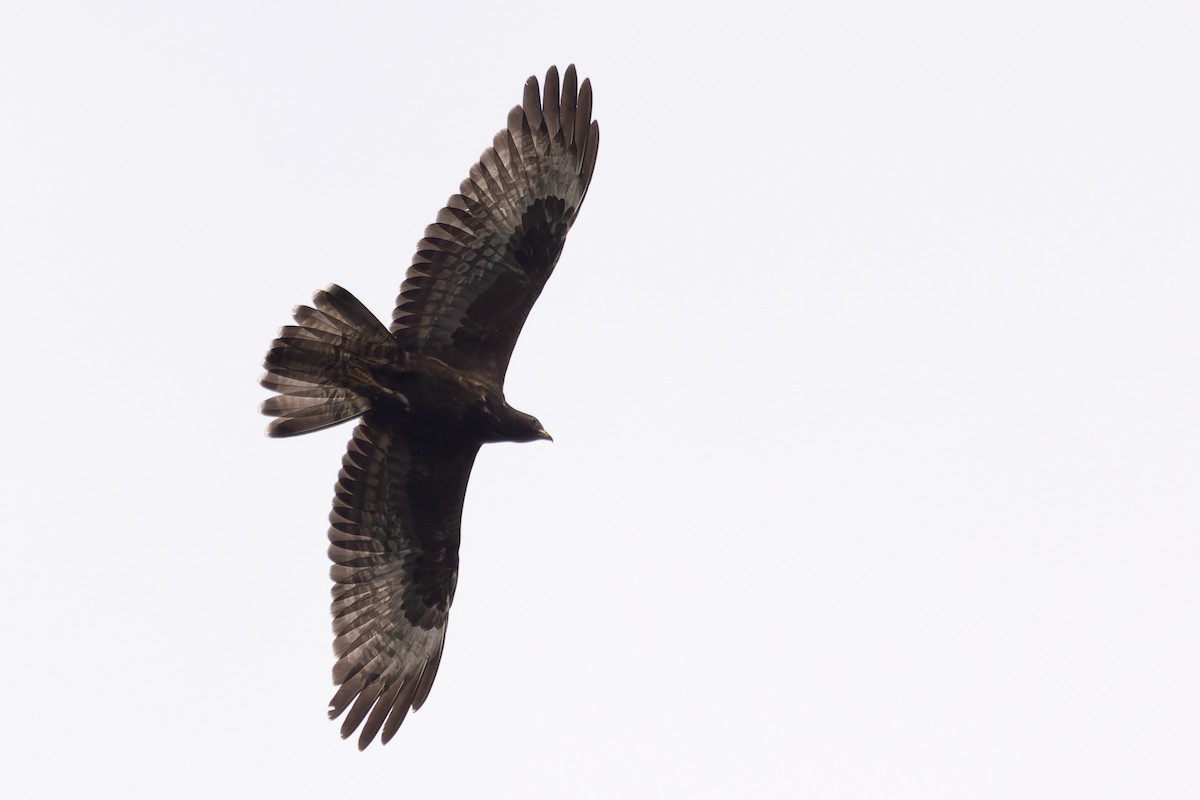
(871,365)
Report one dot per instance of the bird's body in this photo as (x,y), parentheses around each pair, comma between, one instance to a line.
(429,391)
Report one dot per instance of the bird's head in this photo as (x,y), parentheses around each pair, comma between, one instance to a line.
(534,431)
(517,426)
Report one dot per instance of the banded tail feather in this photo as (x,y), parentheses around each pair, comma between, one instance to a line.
(323,366)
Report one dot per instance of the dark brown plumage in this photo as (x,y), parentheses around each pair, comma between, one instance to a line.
(430,392)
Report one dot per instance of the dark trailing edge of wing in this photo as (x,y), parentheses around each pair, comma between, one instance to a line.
(483,263)
(393,541)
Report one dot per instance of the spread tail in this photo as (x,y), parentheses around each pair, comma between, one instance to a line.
(322,367)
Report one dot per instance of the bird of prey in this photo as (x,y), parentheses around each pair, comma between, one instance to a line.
(429,390)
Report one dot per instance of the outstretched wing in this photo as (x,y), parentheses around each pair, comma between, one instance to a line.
(394,545)
(482,265)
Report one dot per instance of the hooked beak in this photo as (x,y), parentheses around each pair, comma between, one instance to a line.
(543,435)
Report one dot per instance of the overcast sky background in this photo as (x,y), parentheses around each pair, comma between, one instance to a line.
(871,365)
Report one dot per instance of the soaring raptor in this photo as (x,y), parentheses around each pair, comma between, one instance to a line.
(429,390)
